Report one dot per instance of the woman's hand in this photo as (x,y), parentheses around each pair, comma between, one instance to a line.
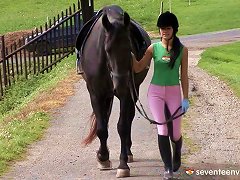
(185,105)
(139,66)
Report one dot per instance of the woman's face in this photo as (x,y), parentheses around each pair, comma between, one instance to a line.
(166,32)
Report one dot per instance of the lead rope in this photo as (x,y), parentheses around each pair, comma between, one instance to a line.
(142,110)
(134,90)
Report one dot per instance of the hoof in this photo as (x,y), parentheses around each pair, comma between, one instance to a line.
(130,158)
(168,174)
(123,173)
(104,165)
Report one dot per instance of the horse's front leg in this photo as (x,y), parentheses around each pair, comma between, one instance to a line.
(131,107)
(124,131)
(131,115)
(102,109)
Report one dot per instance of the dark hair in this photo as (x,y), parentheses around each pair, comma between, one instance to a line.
(175,51)
(168,19)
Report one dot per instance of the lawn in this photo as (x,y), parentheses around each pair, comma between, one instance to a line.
(200,16)
(223,62)
(25,110)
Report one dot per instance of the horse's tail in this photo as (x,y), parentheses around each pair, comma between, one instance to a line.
(93,131)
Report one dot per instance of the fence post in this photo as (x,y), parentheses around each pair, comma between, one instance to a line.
(4,62)
(87,10)
(161,8)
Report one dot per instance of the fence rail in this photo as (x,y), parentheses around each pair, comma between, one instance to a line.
(41,50)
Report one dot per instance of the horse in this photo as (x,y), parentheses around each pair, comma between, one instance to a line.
(105,45)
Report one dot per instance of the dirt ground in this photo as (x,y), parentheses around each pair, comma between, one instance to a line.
(213,131)
(12,37)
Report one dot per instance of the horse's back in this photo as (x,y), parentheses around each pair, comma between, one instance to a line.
(141,37)
(141,41)
(86,29)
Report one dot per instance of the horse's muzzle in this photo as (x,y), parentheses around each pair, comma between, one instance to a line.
(121,84)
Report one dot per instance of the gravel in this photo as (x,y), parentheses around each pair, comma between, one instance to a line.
(215,121)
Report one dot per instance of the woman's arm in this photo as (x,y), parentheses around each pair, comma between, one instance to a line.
(184,73)
(138,66)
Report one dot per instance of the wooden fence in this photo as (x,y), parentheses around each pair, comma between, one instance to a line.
(40,51)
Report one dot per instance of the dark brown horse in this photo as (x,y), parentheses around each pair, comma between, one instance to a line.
(106,60)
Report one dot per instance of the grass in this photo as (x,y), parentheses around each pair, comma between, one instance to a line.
(17,134)
(200,16)
(21,14)
(24,116)
(223,62)
(24,112)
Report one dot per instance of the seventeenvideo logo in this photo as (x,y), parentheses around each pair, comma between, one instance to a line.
(213,172)
(189,171)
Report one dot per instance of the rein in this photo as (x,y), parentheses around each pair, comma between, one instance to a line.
(142,111)
(118,75)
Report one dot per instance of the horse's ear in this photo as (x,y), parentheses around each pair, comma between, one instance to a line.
(106,23)
(126,19)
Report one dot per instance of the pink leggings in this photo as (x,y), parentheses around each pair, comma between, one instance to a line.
(157,97)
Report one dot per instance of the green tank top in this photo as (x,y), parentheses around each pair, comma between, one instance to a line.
(163,75)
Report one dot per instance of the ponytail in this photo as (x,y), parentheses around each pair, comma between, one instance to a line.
(175,51)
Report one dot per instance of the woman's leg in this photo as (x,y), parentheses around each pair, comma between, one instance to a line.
(156,103)
(173,100)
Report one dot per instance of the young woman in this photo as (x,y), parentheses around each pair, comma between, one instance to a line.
(169,55)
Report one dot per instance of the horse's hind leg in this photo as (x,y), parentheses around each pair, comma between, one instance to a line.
(102,109)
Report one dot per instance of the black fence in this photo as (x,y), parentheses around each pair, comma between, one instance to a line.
(41,50)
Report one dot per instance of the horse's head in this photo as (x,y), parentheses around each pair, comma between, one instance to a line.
(118,46)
